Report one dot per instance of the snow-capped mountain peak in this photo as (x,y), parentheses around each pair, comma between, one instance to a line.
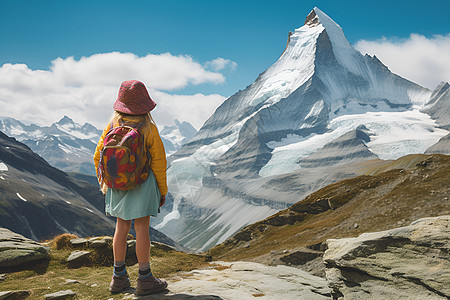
(176,135)
(319,90)
(65,121)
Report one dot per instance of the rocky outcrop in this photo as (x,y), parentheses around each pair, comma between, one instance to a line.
(438,107)
(17,251)
(14,295)
(248,280)
(98,251)
(442,146)
(411,261)
(350,147)
(394,194)
(79,258)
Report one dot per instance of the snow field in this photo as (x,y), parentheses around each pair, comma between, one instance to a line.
(392,135)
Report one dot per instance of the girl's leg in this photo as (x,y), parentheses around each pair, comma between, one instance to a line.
(120,279)
(141,227)
(146,283)
(120,239)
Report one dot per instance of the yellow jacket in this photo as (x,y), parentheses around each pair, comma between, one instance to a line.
(158,162)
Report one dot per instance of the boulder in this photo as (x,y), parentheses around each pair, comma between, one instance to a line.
(300,257)
(100,242)
(19,251)
(79,242)
(67,294)
(79,258)
(131,257)
(392,264)
(14,295)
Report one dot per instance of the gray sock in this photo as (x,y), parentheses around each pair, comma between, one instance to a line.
(119,268)
(144,270)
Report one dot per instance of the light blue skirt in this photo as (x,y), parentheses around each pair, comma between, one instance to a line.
(139,202)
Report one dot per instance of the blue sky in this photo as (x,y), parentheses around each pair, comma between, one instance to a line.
(252,34)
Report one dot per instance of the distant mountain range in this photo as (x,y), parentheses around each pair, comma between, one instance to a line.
(70,146)
(314,117)
(40,201)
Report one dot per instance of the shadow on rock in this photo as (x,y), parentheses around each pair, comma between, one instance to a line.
(40,267)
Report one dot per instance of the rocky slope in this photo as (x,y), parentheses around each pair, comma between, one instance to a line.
(350,147)
(442,146)
(40,201)
(410,262)
(390,195)
(438,107)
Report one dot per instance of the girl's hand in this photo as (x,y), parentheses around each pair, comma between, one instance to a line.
(162,201)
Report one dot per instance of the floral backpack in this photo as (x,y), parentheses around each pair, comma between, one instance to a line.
(123,159)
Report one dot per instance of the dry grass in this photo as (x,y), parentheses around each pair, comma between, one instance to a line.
(50,277)
(221,268)
(62,241)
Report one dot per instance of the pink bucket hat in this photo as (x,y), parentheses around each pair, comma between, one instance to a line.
(133,99)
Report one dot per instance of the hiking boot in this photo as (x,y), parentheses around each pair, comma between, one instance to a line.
(150,285)
(119,283)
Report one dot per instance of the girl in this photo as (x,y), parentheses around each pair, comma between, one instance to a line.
(133,106)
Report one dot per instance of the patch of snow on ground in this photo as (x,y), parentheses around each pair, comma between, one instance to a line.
(393,135)
(3,167)
(20,197)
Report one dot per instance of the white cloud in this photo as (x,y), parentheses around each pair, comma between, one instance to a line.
(85,89)
(220,63)
(199,107)
(423,60)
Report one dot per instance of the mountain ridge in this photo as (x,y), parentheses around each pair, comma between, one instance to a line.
(70,146)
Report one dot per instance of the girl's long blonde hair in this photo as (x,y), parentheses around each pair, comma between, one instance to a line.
(134,118)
